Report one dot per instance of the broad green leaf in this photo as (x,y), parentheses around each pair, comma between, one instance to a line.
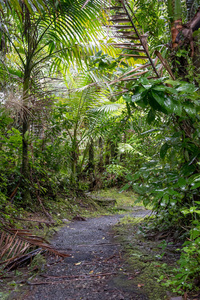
(173,106)
(172,82)
(192,209)
(160,88)
(182,182)
(158,96)
(172,192)
(155,105)
(164,88)
(136,176)
(165,200)
(141,103)
(194,233)
(195,186)
(186,87)
(190,109)
(127,97)
(163,150)
(197,178)
(187,169)
(167,103)
(166,197)
(145,83)
(125,187)
(185,211)
(151,116)
(136,97)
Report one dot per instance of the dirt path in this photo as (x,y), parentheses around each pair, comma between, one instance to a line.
(95,270)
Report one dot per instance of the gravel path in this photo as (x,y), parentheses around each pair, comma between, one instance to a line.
(95,270)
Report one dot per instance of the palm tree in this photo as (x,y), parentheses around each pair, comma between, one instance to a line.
(39,36)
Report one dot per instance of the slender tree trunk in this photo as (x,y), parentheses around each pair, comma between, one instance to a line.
(190,9)
(107,156)
(113,150)
(74,159)
(91,165)
(100,164)
(25,128)
(175,14)
(123,155)
(91,156)
(194,20)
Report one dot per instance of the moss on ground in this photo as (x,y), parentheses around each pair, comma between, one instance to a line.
(124,199)
(147,261)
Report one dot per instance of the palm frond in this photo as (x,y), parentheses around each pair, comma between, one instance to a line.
(107,108)
(86,2)
(124,147)
(14,243)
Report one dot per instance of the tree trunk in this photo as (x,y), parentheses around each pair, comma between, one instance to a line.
(113,150)
(74,160)
(91,156)
(25,120)
(25,128)
(175,14)
(91,164)
(190,9)
(100,164)
(107,156)
(123,155)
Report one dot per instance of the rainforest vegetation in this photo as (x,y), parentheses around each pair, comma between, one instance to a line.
(72,121)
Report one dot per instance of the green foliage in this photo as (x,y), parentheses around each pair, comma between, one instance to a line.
(114,175)
(168,180)
(186,276)
(152,16)
(181,99)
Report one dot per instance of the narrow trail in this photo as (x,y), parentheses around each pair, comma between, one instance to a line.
(95,269)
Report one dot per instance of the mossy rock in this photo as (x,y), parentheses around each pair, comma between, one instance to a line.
(104,201)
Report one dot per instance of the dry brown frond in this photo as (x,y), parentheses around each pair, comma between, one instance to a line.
(15,243)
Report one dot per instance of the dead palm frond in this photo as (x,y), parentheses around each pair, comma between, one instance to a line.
(15,245)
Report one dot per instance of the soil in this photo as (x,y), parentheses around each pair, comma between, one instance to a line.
(96,269)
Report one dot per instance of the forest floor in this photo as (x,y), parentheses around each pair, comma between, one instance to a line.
(109,260)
